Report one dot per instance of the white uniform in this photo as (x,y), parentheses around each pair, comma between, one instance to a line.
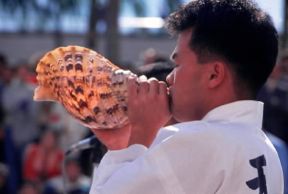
(224,153)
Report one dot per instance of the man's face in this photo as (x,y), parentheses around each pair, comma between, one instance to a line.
(188,82)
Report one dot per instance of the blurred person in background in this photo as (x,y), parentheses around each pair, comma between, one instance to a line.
(275,96)
(218,146)
(16,118)
(20,109)
(3,178)
(30,188)
(70,130)
(4,76)
(76,181)
(151,55)
(53,115)
(42,161)
(3,67)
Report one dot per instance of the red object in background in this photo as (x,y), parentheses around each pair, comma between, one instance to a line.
(40,165)
(31,79)
(43,161)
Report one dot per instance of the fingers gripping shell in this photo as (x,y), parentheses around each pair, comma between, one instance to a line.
(89,86)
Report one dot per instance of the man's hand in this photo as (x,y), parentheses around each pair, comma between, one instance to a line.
(148,109)
(114,139)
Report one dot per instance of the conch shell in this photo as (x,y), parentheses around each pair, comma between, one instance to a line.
(89,86)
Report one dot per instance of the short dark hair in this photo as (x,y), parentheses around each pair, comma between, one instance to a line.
(159,70)
(237,31)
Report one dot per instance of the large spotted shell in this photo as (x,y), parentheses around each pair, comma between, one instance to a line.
(89,86)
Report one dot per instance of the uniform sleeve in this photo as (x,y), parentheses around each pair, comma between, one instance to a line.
(180,164)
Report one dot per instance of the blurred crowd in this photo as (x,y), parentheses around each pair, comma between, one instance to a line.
(34,136)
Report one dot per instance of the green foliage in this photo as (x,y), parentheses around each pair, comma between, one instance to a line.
(43,10)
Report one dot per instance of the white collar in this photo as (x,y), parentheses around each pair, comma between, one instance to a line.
(246,111)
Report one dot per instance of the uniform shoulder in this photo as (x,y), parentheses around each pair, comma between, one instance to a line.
(217,135)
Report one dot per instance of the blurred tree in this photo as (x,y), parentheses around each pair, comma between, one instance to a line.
(20,6)
(139,7)
(97,14)
(112,35)
(113,8)
(56,9)
(44,10)
(171,5)
(49,15)
(92,35)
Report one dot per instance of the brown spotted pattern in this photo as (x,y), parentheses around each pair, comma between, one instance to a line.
(89,86)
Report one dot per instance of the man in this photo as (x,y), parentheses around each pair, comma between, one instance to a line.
(225,51)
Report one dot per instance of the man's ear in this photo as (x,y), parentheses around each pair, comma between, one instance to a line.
(217,72)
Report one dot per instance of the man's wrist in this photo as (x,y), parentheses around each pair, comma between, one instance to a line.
(116,146)
(142,136)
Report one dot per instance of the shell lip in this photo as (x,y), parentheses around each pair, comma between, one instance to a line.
(36,92)
(40,94)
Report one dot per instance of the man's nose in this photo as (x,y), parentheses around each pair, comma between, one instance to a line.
(173,55)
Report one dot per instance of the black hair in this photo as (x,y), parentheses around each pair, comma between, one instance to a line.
(236,31)
(159,70)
